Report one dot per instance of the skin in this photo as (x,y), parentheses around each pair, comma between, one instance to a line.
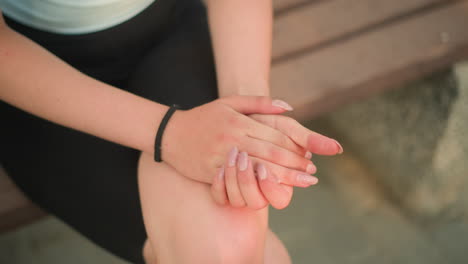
(243,68)
(275,188)
(220,125)
(241,32)
(182,229)
(59,93)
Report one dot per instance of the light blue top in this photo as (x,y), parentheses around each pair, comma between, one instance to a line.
(72,16)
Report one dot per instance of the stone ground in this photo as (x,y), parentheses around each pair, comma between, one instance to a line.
(358,213)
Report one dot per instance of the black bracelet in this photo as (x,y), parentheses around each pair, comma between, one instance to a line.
(162,126)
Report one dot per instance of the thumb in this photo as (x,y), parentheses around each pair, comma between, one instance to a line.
(256,104)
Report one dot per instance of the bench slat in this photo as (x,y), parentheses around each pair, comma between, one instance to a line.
(279,5)
(387,57)
(314,25)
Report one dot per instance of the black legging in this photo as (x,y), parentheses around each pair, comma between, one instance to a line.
(163,54)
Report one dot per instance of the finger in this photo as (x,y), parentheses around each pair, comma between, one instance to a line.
(248,183)
(218,188)
(271,152)
(256,104)
(232,188)
(288,176)
(278,195)
(266,133)
(301,135)
(270,120)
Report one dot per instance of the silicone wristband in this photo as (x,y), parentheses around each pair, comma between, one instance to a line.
(159,134)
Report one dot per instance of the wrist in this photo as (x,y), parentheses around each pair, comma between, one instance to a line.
(159,135)
(252,88)
(150,119)
(174,130)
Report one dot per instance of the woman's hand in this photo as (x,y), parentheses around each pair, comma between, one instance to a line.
(302,136)
(197,141)
(311,142)
(240,183)
(256,192)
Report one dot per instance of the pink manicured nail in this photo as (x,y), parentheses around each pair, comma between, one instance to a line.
(308,155)
(311,168)
(261,171)
(282,104)
(232,157)
(307,179)
(221,173)
(339,146)
(242,161)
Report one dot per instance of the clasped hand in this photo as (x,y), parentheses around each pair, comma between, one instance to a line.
(250,154)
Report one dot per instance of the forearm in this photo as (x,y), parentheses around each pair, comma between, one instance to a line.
(36,81)
(241,34)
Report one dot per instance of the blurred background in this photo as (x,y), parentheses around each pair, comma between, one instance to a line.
(389,80)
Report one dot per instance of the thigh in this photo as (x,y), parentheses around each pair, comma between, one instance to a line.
(185,225)
(89,183)
(180,69)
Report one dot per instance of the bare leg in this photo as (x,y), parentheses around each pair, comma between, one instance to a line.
(184,225)
(148,254)
(275,252)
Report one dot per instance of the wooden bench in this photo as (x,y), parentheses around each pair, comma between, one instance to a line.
(330,52)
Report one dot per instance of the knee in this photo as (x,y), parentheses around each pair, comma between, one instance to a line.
(232,241)
(242,245)
(148,253)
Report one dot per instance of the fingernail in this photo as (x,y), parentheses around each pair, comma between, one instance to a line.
(307,179)
(221,173)
(242,161)
(311,168)
(339,147)
(282,104)
(261,171)
(308,155)
(232,157)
